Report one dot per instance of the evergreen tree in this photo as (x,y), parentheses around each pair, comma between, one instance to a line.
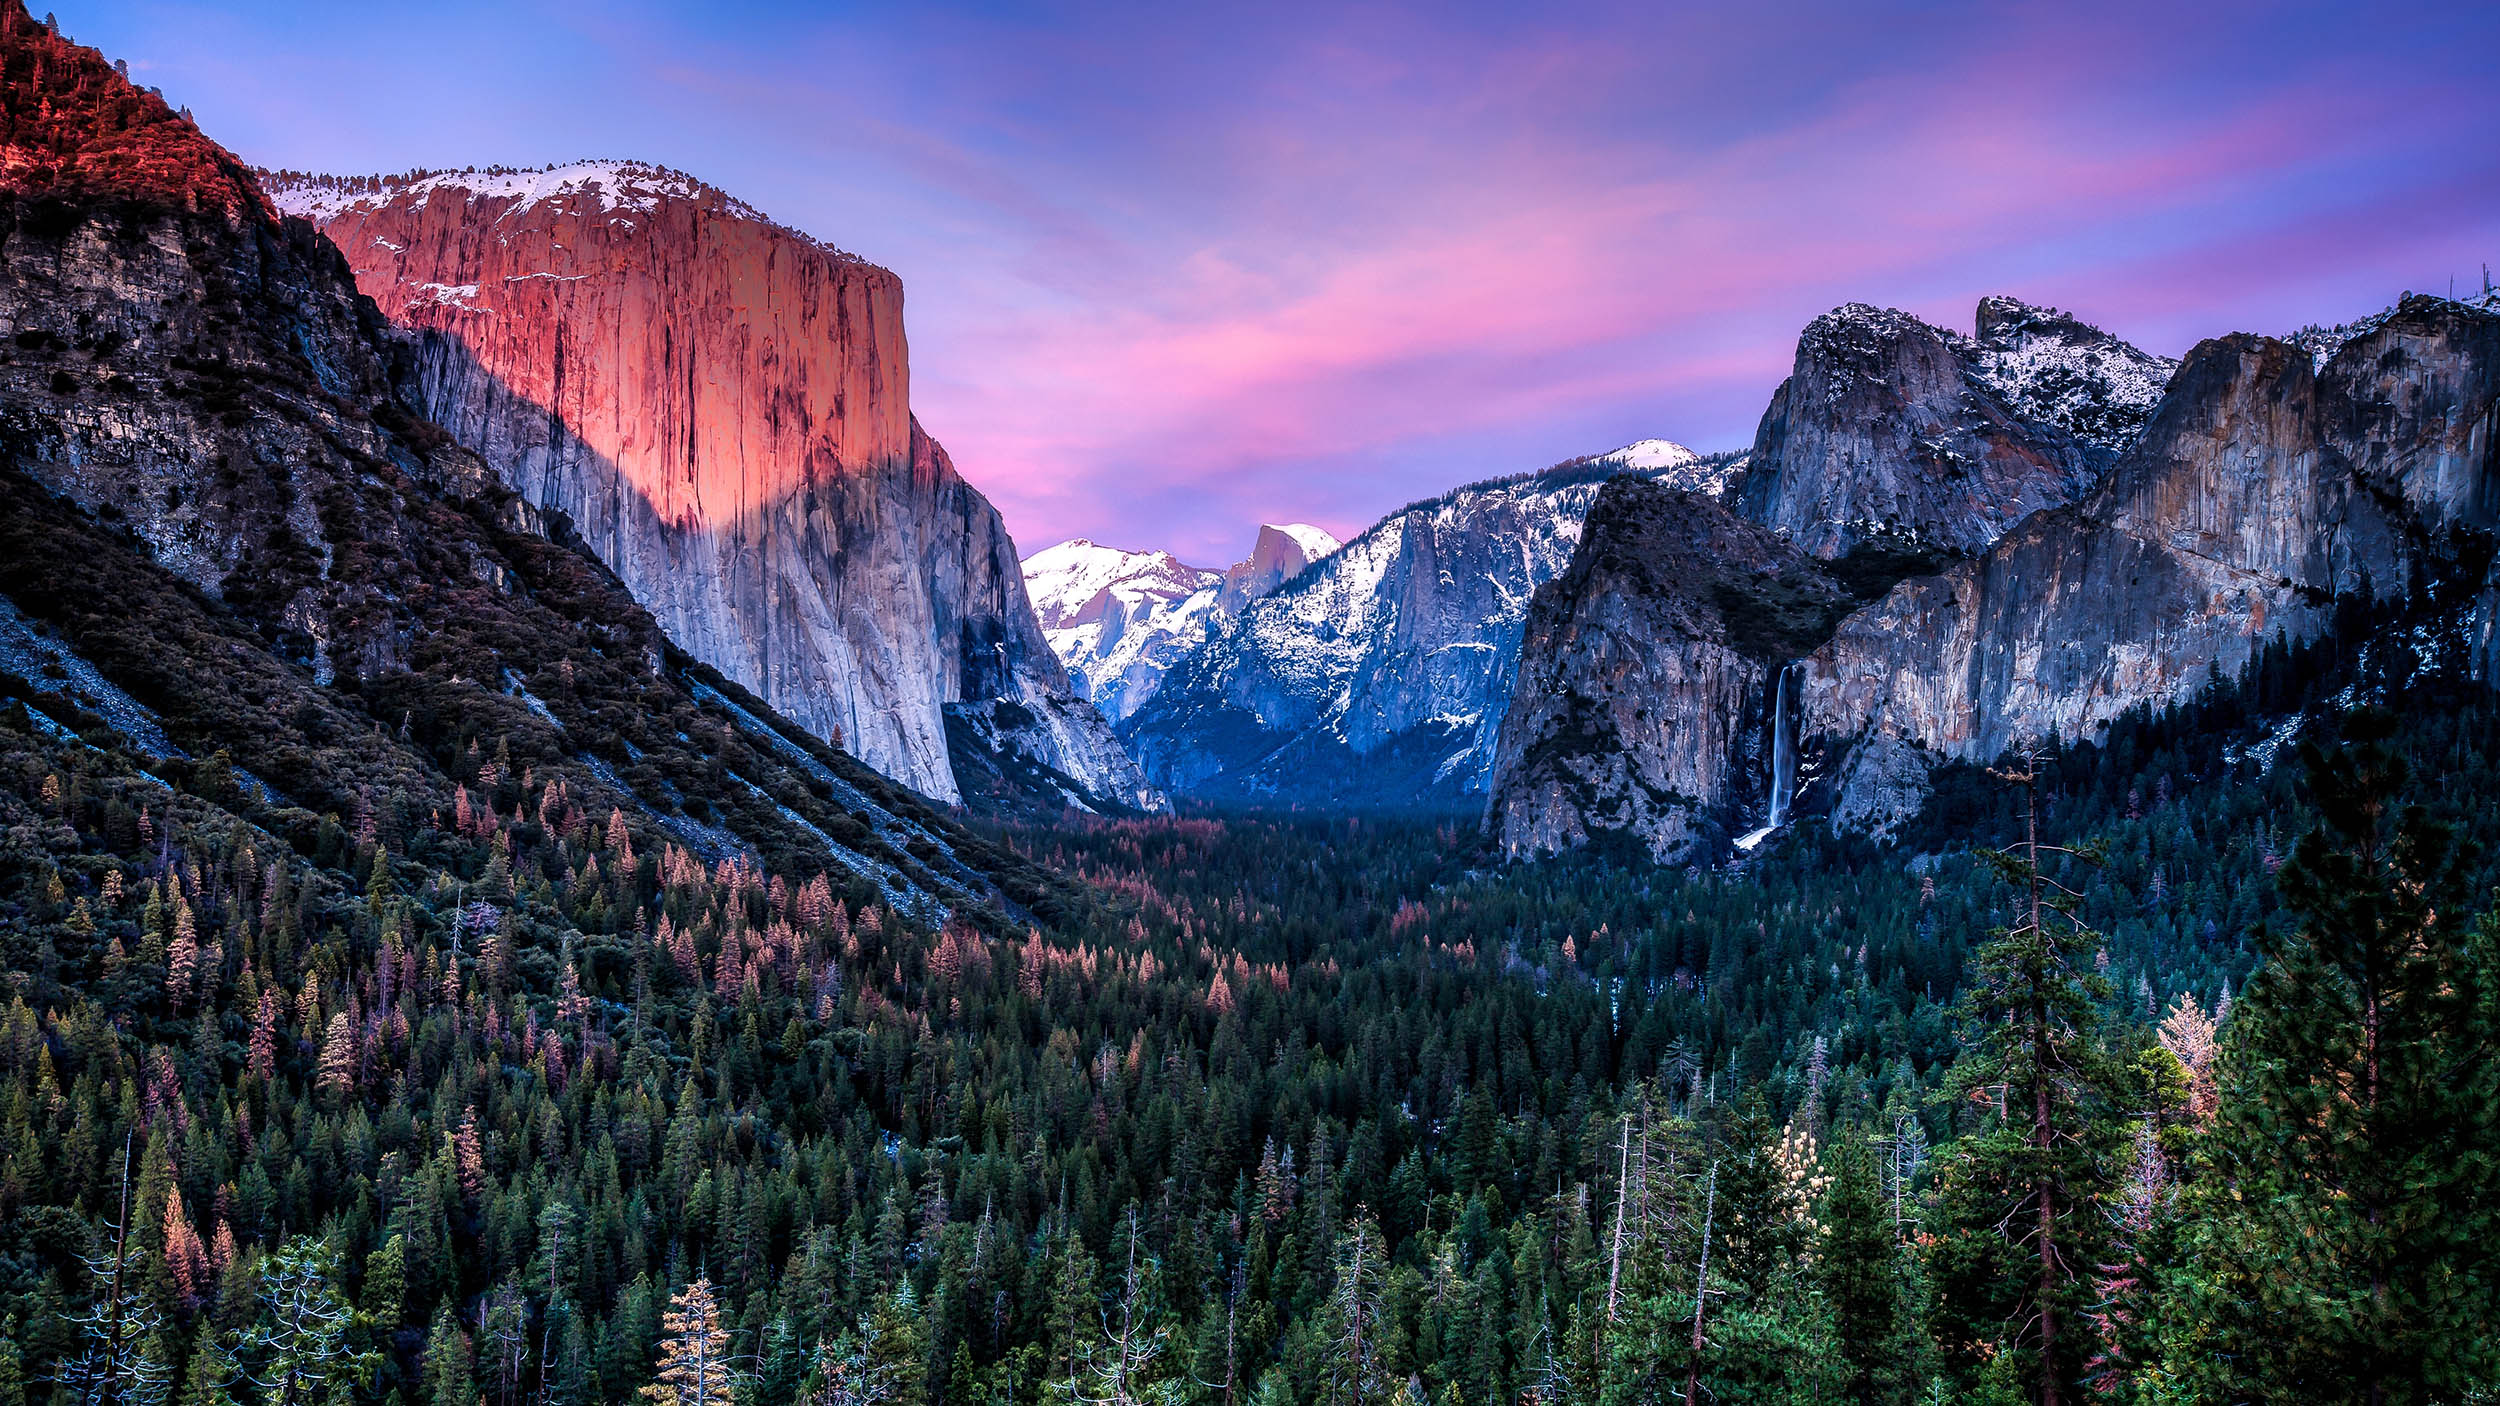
(120,1362)
(1859,1267)
(12,1365)
(1359,1367)
(2353,1173)
(2021,1221)
(299,1349)
(1120,1367)
(212,1376)
(450,1373)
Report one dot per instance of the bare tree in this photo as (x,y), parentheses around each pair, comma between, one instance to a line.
(299,1345)
(119,1366)
(1117,1369)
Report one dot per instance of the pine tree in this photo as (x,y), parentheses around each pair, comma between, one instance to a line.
(450,1371)
(1359,1369)
(12,1364)
(120,1364)
(2021,1224)
(2354,1163)
(694,1367)
(1119,1367)
(853,1370)
(212,1376)
(1859,1266)
(385,1295)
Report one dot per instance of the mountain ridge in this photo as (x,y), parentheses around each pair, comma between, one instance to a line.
(1377,676)
(226,530)
(2270,481)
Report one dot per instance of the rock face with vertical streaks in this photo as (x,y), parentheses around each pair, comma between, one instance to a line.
(221,522)
(2252,487)
(2270,483)
(722,407)
(1646,676)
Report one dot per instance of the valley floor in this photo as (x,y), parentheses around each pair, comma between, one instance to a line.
(1265,1107)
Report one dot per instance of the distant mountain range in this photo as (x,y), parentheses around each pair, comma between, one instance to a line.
(1940,545)
(1378,676)
(1119,619)
(1975,544)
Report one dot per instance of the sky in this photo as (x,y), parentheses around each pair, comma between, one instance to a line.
(1173,270)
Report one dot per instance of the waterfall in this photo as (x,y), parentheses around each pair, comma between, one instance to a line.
(1787,701)
(1784,740)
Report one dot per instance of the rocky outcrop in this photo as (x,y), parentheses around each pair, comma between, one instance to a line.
(1379,675)
(2272,481)
(2053,368)
(1647,678)
(1279,555)
(1898,436)
(722,408)
(1120,619)
(2265,488)
(218,516)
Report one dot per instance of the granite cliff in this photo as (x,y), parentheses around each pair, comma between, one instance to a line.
(721,406)
(1643,671)
(2158,545)
(258,576)
(1895,434)
(2270,484)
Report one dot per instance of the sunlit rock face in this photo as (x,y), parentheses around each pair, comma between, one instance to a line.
(722,405)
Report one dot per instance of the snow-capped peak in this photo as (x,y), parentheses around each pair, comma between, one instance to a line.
(1078,579)
(1119,618)
(2323,342)
(1652,454)
(1315,542)
(2053,366)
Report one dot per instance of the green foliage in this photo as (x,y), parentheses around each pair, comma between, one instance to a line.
(1859,1268)
(2351,1175)
(578,1065)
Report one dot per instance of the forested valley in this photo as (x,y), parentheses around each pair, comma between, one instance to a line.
(2155,1070)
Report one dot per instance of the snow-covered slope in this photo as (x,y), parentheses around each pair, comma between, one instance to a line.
(621,189)
(1118,619)
(2323,342)
(2051,366)
(1379,675)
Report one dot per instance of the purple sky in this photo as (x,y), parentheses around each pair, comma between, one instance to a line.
(1173,271)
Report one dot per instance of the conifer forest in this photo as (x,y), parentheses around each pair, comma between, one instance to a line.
(2160,1070)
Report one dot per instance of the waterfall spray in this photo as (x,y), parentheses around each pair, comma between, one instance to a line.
(1784,710)
(1787,702)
